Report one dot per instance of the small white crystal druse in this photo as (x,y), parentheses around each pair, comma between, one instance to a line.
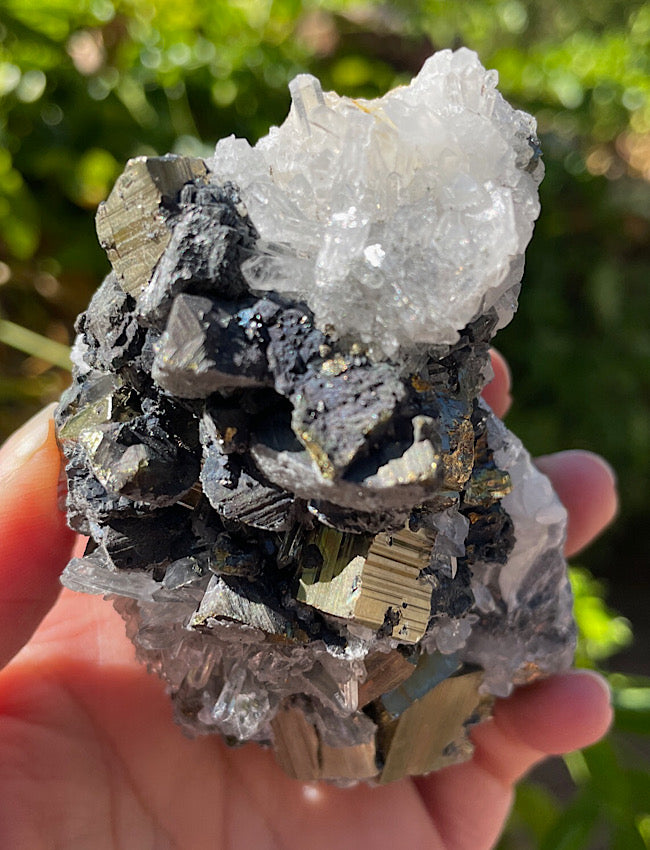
(317,533)
(406,217)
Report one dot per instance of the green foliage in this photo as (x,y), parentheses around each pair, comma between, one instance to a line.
(34,344)
(609,809)
(86,84)
(602,632)
(584,64)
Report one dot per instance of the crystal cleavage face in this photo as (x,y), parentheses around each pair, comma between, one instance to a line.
(317,533)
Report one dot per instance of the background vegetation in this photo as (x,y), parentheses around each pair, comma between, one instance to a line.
(86,84)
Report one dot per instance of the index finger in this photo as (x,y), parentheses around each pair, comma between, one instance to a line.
(497,392)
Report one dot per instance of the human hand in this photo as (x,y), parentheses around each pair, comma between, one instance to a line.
(91,758)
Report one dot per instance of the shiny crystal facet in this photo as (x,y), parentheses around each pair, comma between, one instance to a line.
(316,532)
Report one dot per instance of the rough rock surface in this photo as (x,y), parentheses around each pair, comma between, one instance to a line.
(316,532)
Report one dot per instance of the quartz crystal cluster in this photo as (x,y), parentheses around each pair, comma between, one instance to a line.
(316,532)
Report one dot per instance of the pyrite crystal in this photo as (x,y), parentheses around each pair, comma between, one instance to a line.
(317,533)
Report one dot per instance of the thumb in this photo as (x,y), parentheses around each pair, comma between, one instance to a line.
(34,540)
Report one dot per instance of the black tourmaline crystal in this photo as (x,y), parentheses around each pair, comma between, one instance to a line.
(318,535)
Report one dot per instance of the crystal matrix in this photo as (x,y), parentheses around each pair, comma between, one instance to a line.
(316,532)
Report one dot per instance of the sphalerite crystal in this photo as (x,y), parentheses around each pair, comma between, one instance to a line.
(317,533)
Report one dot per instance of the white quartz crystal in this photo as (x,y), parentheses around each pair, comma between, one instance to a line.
(398,220)
(528,626)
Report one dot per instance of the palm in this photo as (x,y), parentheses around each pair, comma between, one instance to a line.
(93,746)
(91,758)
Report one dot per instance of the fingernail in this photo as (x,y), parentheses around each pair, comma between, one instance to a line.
(609,469)
(592,457)
(25,442)
(597,678)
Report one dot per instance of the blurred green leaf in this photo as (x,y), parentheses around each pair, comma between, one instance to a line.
(601,631)
(632,707)
(34,344)
(94,175)
(535,809)
(574,826)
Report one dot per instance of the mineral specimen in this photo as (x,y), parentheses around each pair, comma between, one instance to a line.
(316,531)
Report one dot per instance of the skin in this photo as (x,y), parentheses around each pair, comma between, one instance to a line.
(91,759)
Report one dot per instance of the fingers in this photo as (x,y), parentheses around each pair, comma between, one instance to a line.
(497,392)
(470,802)
(584,481)
(586,486)
(34,539)
(566,712)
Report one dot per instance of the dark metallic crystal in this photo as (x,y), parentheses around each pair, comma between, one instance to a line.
(295,531)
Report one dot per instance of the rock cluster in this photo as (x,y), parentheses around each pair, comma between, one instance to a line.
(316,532)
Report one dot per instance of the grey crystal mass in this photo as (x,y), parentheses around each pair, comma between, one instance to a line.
(317,533)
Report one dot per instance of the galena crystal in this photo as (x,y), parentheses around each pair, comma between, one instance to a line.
(317,533)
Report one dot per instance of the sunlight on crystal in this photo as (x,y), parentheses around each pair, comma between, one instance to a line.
(400,189)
